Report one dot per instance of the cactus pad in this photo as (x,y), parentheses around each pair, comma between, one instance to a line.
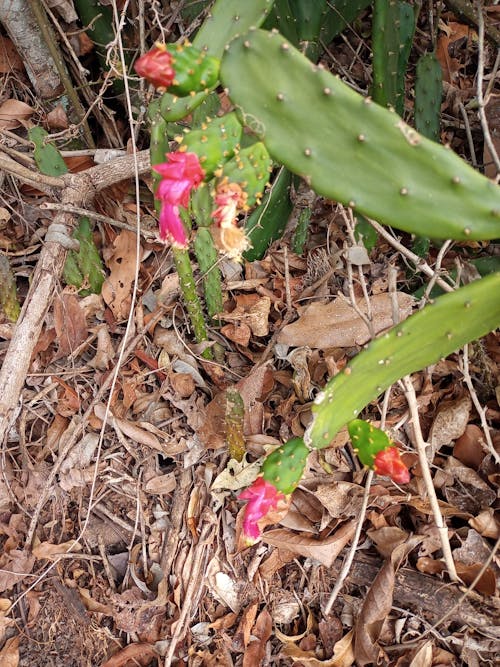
(284,467)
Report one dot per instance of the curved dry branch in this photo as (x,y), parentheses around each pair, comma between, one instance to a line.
(74,190)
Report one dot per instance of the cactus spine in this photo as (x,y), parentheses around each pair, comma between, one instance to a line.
(408,181)
(425,337)
(284,467)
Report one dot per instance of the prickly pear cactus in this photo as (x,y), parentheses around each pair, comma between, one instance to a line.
(284,467)
(425,337)
(9,303)
(267,222)
(85,267)
(47,157)
(214,143)
(428,93)
(206,254)
(195,70)
(385,41)
(367,440)
(250,168)
(322,130)
(217,30)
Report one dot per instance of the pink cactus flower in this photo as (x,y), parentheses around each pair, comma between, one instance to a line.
(230,200)
(388,462)
(156,67)
(262,497)
(179,175)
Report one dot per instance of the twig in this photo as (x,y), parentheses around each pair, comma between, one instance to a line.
(420,264)
(439,259)
(480,98)
(479,408)
(468,134)
(426,474)
(346,566)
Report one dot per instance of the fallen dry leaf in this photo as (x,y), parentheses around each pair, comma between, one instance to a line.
(487,582)
(256,648)
(336,324)
(13,112)
(52,551)
(14,566)
(449,422)
(343,655)
(325,551)
(70,324)
(141,654)
(486,524)
(121,261)
(377,605)
(9,654)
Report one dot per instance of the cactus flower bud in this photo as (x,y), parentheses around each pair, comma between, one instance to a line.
(156,67)
(179,175)
(262,496)
(388,462)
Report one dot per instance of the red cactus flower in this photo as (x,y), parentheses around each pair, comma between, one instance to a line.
(262,497)
(156,67)
(179,175)
(388,462)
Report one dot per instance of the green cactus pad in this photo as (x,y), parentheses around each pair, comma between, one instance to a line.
(432,333)
(47,157)
(367,440)
(195,70)
(351,150)
(218,29)
(284,467)
(215,142)
(84,267)
(428,93)
(250,168)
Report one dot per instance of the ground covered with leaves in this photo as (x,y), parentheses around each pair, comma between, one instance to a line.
(120,526)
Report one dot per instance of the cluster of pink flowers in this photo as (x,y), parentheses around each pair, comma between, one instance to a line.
(181,174)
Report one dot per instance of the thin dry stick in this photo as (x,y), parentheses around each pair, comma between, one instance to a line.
(426,474)
(480,410)
(420,264)
(352,550)
(480,98)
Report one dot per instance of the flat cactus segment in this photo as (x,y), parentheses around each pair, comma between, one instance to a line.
(268,221)
(432,333)
(428,93)
(351,150)
(250,168)
(206,254)
(214,143)
(228,19)
(285,466)
(195,70)
(367,440)
(385,42)
(217,31)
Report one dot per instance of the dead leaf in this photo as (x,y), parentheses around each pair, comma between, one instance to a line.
(492,111)
(9,655)
(341,499)
(487,583)
(49,551)
(161,485)
(486,524)
(132,430)
(13,112)
(57,118)
(10,60)
(256,649)
(336,324)
(387,538)
(377,606)
(14,566)
(449,422)
(467,448)
(255,315)
(121,261)
(325,551)
(141,654)
(343,654)
(81,454)
(70,324)
(423,657)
